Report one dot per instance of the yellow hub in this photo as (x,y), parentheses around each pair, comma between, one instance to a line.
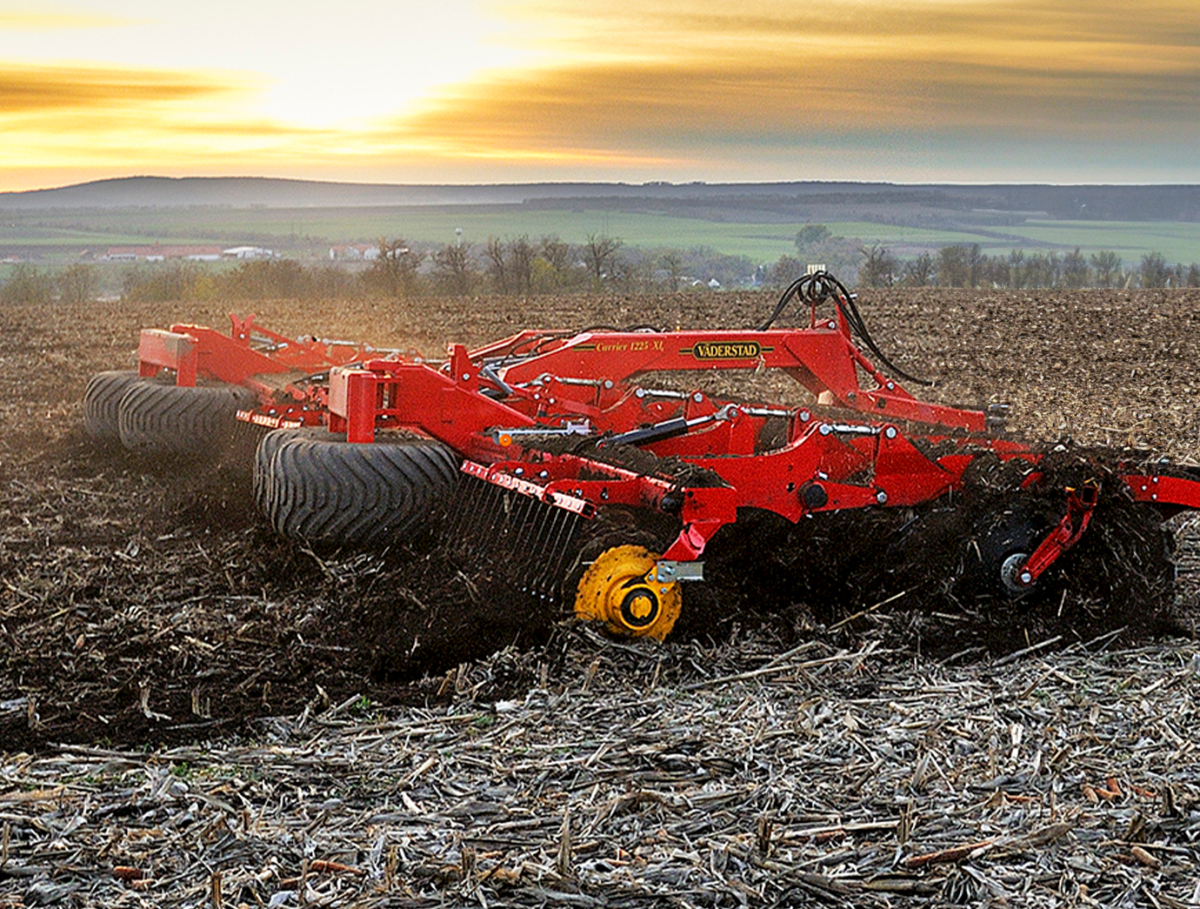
(614,590)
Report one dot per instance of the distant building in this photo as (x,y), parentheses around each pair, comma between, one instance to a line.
(354,252)
(160,253)
(247,252)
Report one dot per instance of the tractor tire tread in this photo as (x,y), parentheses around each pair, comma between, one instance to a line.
(102,403)
(172,419)
(328,492)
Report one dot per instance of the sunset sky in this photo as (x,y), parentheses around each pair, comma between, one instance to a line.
(490,91)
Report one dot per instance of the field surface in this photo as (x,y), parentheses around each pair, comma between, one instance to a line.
(195,713)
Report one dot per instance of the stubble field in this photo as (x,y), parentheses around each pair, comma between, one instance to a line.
(193,712)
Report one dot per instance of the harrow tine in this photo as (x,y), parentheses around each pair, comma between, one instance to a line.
(518,539)
(469,496)
(552,577)
(516,528)
(539,543)
(455,506)
(493,508)
(523,545)
(540,532)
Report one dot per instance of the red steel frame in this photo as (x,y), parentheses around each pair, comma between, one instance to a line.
(480,402)
(252,356)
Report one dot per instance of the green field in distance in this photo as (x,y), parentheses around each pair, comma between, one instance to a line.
(58,236)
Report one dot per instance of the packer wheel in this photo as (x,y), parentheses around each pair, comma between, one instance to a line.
(102,403)
(316,487)
(264,457)
(176,419)
(614,590)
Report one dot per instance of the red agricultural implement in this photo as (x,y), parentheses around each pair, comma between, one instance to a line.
(191,381)
(587,467)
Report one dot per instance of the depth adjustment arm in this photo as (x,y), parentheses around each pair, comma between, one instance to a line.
(1080,506)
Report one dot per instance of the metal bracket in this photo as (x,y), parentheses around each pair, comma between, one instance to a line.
(667,571)
(581,428)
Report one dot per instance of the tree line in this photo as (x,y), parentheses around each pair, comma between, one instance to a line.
(969,266)
(396,268)
(550,265)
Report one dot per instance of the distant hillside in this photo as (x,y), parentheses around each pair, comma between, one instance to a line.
(266,192)
(886,202)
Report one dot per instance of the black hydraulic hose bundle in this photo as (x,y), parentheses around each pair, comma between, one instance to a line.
(818,287)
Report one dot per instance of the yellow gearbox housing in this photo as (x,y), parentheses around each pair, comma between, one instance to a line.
(614,590)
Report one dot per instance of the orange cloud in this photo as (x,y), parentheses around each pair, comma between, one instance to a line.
(658,78)
(661,26)
(145,120)
(668,88)
(41,89)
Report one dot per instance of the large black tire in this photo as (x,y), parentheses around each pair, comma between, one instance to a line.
(264,457)
(173,419)
(102,404)
(325,491)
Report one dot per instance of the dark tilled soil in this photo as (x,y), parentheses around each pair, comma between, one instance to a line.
(142,600)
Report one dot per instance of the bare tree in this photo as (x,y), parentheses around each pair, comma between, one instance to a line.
(918,272)
(1075,269)
(1106,268)
(77,283)
(393,271)
(454,268)
(510,264)
(672,263)
(520,264)
(784,271)
(952,267)
(976,264)
(1018,271)
(880,268)
(598,254)
(497,265)
(1154,270)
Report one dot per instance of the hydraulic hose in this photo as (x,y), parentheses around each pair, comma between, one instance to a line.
(820,286)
